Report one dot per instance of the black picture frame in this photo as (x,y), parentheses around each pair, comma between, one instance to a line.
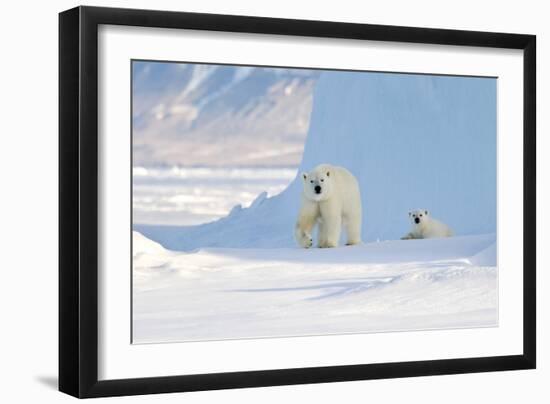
(78,201)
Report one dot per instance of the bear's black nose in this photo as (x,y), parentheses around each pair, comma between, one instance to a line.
(317,189)
(416,220)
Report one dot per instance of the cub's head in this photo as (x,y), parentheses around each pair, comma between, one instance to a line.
(418,216)
(318,183)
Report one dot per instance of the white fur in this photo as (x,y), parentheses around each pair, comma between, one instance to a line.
(427,226)
(338,204)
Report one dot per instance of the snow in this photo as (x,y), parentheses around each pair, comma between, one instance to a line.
(224,293)
(485,257)
(142,245)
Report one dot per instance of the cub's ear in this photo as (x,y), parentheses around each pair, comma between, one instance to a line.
(328,173)
(304,176)
(426,212)
(410,214)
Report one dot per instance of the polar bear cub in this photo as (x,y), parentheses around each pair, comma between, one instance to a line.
(330,199)
(425,226)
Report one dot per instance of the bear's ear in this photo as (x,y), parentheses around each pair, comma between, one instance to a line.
(328,173)
(426,212)
(410,214)
(304,176)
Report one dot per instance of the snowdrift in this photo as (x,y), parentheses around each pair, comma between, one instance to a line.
(411,140)
(142,245)
(220,293)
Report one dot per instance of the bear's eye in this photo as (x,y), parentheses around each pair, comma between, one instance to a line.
(322,180)
(421,215)
(311,181)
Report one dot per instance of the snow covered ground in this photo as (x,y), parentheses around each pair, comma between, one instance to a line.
(224,293)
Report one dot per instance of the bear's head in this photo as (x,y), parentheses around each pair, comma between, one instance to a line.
(418,216)
(318,183)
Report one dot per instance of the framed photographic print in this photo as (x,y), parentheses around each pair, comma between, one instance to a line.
(250,201)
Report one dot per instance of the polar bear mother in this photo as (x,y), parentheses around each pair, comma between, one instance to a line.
(330,199)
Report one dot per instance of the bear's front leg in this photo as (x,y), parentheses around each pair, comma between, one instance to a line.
(332,227)
(353,228)
(408,236)
(303,238)
(321,234)
(307,218)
